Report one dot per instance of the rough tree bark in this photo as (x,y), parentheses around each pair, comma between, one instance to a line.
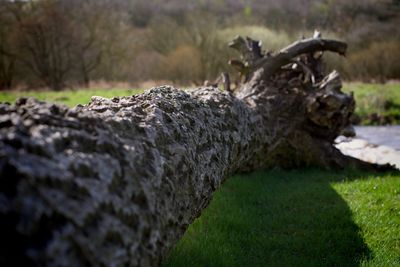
(117,182)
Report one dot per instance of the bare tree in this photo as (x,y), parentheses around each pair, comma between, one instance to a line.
(9,15)
(89,21)
(7,60)
(44,38)
(202,32)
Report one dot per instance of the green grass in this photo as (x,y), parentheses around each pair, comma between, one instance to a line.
(297,218)
(381,99)
(68,97)
(375,203)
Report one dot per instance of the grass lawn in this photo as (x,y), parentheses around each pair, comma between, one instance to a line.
(68,97)
(381,99)
(297,218)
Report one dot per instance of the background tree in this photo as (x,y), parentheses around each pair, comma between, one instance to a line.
(7,58)
(57,43)
(87,19)
(44,38)
(9,15)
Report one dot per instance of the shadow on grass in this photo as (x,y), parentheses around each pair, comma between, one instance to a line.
(275,218)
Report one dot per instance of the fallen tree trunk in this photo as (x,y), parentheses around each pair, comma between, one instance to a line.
(117,182)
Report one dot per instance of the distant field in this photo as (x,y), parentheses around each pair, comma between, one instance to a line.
(68,97)
(376,103)
(297,218)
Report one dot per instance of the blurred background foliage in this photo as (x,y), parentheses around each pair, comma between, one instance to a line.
(74,43)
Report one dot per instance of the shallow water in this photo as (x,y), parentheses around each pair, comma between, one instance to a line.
(380,135)
(375,144)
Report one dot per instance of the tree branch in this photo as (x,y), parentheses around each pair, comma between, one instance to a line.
(271,64)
